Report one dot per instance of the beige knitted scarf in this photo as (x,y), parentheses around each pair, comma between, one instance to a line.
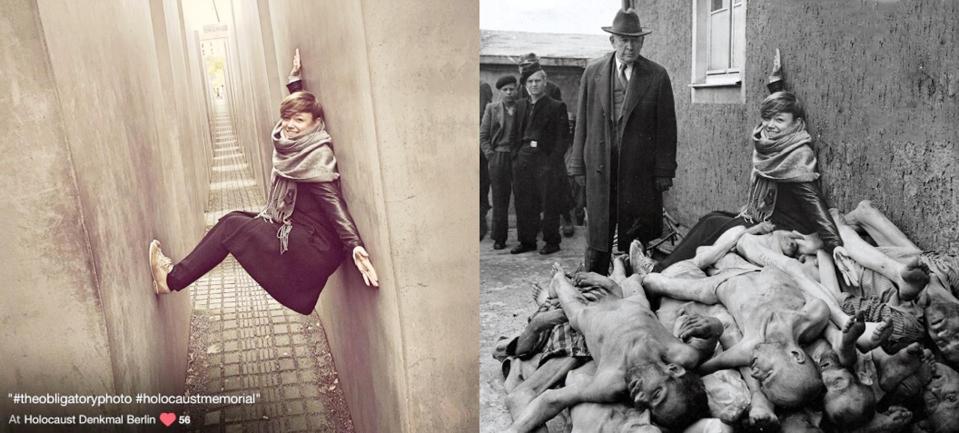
(787,158)
(308,158)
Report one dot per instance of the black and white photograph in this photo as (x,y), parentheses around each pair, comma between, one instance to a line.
(238,216)
(711,216)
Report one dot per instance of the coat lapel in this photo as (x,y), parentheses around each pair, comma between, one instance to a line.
(639,84)
(604,85)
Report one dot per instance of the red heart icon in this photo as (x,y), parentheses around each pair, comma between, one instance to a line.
(167,418)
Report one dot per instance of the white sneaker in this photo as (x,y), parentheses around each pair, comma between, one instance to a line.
(160,266)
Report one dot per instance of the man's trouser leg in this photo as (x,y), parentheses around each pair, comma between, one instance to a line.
(501,176)
(484,194)
(526,192)
(598,261)
(551,201)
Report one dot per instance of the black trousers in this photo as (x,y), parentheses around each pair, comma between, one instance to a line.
(484,193)
(705,232)
(206,255)
(501,178)
(534,179)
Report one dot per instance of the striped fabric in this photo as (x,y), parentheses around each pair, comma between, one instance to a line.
(945,266)
(906,328)
(563,340)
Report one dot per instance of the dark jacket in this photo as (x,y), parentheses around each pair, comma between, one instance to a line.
(546,124)
(323,235)
(491,127)
(647,149)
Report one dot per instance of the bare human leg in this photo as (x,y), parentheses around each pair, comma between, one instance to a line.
(551,372)
(883,231)
(911,277)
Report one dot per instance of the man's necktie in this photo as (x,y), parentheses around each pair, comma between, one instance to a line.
(622,75)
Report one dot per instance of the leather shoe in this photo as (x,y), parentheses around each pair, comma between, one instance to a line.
(499,245)
(522,248)
(549,249)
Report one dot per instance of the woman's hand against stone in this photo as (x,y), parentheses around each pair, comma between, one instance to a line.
(362,260)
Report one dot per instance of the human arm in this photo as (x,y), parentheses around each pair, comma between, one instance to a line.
(330,198)
(607,386)
(575,164)
(664,154)
(739,355)
(776,82)
(486,126)
(813,206)
(559,129)
(700,333)
(294,82)
(532,336)
(592,279)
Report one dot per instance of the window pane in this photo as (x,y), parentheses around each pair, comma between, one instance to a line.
(739,37)
(719,41)
(716,5)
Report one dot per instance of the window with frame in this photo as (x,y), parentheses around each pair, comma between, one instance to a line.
(719,48)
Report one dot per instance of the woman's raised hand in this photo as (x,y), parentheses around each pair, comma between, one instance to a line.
(296,64)
(362,260)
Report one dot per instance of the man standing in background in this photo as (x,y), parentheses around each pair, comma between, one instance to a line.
(496,132)
(486,96)
(563,193)
(541,130)
(624,145)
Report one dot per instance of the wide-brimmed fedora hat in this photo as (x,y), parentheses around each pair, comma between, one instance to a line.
(626,23)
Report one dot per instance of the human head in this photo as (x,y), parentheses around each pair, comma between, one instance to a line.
(675,397)
(506,85)
(798,422)
(942,325)
(847,403)
(785,374)
(626,35)
(786,241)
(536,84)
(627,47)
(781,113)
(941,398)
(781,102)
(300,113)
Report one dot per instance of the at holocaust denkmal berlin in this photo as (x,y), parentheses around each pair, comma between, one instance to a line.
(727,216)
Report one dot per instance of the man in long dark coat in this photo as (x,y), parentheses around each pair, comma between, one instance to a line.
(624,145)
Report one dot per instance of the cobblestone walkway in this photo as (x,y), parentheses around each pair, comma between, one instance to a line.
(244,342)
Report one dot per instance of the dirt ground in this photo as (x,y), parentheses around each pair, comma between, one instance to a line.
(505,305)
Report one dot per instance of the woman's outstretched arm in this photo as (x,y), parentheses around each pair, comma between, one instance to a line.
(295,83)
(331,200)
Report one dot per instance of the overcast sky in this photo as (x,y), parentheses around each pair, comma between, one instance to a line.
(551,16)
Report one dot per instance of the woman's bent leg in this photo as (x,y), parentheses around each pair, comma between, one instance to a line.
(207,254)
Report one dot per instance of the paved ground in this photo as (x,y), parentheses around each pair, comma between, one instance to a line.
(505,304)
(244,342)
